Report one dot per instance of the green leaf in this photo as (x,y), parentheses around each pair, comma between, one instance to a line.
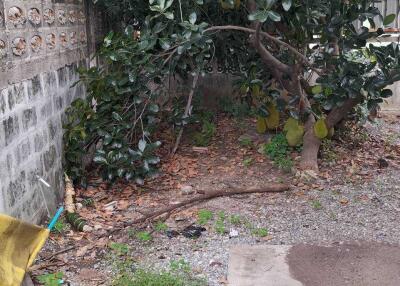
(107,139)
(108,39)
(269,4)
(116,116)
(286,4)
(193,18)
(389,19)
(261,16)
(142,145)
(129,30)
(165,44)
(274,16)
(169,15)
(100,160)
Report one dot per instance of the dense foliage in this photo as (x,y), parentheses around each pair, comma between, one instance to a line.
(277,47)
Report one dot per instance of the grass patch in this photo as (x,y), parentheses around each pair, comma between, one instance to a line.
(278,150)
(179,274)
(119,248)
(316,205)
(59,227)
(260,232)
(204,216)
(161,227)
(235,219)
(220,223)
(144,236)
(52,279)
(247,162)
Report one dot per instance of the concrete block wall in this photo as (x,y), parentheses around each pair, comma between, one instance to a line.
(42,43)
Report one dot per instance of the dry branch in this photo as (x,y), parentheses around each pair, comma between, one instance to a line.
(187,112)
(275,188)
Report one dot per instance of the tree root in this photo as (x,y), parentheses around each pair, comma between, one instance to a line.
(274,188)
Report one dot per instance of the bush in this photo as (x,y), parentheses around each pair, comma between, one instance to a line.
(116,118)
(278,150)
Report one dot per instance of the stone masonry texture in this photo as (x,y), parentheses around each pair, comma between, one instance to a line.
(42,44)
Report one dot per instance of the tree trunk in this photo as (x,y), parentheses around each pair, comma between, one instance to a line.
(311,145)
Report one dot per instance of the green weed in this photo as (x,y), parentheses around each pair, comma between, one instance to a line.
(59,227)
(161,227)
(204,216)
(278,151)
(220,223)
(316,205)
(204,137)
(144,236)
(119,248)
(247,162)
(260,232)
(52,279)
(235,219)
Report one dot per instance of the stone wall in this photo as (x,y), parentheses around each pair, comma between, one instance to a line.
(42,42)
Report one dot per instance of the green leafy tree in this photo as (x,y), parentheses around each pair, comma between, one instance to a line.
(304,60)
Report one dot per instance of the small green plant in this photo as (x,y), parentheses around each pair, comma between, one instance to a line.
(260,232)
(161,227)
(204,216)
(247,162)
(235,219)
(285,164)
(277,147)
(150,278)
(316,205)
(119,248)
(180,266)
(59,227)
(204,137)
(220,223)
(52,279)
(144,236)
(245,142)
(89,202)
(278,150)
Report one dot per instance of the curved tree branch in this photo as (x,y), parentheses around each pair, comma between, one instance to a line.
(266,56)
(293,50)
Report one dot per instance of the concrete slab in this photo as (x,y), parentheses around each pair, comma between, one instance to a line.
(260,266)
(341,264)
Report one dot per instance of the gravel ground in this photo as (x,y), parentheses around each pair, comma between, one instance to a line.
(338,213)
(322,212)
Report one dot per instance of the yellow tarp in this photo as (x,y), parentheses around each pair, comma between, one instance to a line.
(20,243)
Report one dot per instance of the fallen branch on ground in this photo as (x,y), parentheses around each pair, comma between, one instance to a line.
(275,188)
(53,255)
